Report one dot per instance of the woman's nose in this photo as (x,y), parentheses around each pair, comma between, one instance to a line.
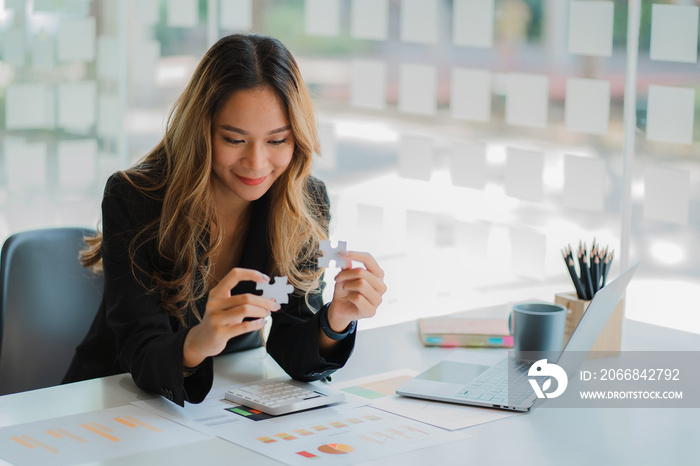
(255,157)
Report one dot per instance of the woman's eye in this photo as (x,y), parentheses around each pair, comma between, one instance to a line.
(278,141)
(234,141)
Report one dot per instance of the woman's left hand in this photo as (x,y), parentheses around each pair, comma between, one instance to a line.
(358,292)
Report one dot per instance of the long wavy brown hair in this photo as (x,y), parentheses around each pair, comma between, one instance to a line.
(179,171)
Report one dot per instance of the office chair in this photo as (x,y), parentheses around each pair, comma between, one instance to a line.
(47,303)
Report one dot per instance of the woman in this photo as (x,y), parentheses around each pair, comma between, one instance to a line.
(225,198)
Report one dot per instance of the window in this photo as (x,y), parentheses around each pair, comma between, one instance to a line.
(465,143)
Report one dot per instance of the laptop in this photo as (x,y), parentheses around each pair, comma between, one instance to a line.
(505,384)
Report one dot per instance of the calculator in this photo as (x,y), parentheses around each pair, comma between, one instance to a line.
(277,397)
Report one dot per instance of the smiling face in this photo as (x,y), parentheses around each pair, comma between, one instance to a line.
(252,145)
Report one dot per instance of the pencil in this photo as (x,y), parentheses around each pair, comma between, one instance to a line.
(574,278)
(602,255)
(579,256)
(586,274)
(591,267)
(596,265)
(606,266)
(596,274)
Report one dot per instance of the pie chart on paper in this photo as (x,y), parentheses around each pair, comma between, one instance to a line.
(336,448)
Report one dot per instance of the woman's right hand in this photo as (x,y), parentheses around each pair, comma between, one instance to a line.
(224,316)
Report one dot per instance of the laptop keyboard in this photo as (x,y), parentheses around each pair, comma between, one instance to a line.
(495,386)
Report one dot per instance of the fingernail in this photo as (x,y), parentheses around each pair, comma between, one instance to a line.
(276,306)
(265,276)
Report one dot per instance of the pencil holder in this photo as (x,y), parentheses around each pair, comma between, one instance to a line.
(610,338)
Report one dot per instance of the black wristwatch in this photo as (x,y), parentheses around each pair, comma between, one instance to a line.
(325,326)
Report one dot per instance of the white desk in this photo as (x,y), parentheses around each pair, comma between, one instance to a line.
(544,436)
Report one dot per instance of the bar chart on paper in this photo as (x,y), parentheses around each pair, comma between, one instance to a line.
(376,386)
(91,436)
(378,389)
(348,436)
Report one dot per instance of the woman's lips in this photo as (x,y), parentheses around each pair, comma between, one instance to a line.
(251,181)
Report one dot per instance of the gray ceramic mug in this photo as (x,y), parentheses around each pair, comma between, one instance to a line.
(537,326)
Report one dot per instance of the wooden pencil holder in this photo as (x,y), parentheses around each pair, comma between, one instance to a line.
(610,339)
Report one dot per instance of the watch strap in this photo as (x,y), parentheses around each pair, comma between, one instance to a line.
(328,331)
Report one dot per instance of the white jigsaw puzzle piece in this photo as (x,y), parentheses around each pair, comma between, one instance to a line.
(279,290)
(331,254)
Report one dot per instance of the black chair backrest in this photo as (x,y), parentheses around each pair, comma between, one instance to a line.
(47,303)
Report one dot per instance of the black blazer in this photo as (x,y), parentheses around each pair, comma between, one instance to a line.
(131,333)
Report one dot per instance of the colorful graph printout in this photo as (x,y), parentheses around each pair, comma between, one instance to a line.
(249,413)
(207,417)
(336,449)
(379,389)
(376,386)
(92,436)
(343,436)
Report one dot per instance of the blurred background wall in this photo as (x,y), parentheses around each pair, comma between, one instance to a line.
(465,143)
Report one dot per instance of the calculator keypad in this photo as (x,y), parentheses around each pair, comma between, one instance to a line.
(281,397)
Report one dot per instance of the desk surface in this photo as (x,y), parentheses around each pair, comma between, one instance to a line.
(543,436)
